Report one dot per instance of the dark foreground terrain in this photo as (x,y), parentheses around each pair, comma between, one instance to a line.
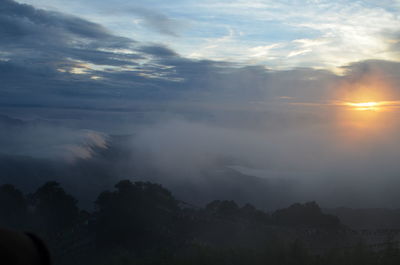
(143,223)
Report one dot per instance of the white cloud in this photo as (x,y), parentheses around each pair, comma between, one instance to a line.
(345,31)
(280,34)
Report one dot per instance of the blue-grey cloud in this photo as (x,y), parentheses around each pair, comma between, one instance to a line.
(157,21)
(158,51)
(24,25)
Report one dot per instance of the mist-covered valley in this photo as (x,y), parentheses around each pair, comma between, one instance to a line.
(180,132)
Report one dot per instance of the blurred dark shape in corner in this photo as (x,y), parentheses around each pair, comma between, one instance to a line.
(17,248)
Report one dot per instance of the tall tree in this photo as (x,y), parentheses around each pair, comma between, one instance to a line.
(55,210)
(138,216)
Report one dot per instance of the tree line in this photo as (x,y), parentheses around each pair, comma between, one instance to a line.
(143,223)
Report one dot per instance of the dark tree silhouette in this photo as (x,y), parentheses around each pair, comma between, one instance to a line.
(13,207)
(223,208)
(140,216)
(55,210)
(137,223)
(249,212)
(307,214)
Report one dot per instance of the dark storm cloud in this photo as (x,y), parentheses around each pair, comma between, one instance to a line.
(22,20)
(36,36)
(40,50)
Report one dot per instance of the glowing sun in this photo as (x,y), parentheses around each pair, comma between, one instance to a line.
(372,105)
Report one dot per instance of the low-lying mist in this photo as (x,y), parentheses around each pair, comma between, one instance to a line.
(260,162)
(265,137)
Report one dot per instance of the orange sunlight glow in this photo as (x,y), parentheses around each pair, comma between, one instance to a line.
(364,109)
(372,105)
(365,105)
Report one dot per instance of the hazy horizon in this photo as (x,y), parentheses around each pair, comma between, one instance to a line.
(204,96)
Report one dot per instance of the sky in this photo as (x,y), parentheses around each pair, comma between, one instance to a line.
(303,94)
(277,34)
